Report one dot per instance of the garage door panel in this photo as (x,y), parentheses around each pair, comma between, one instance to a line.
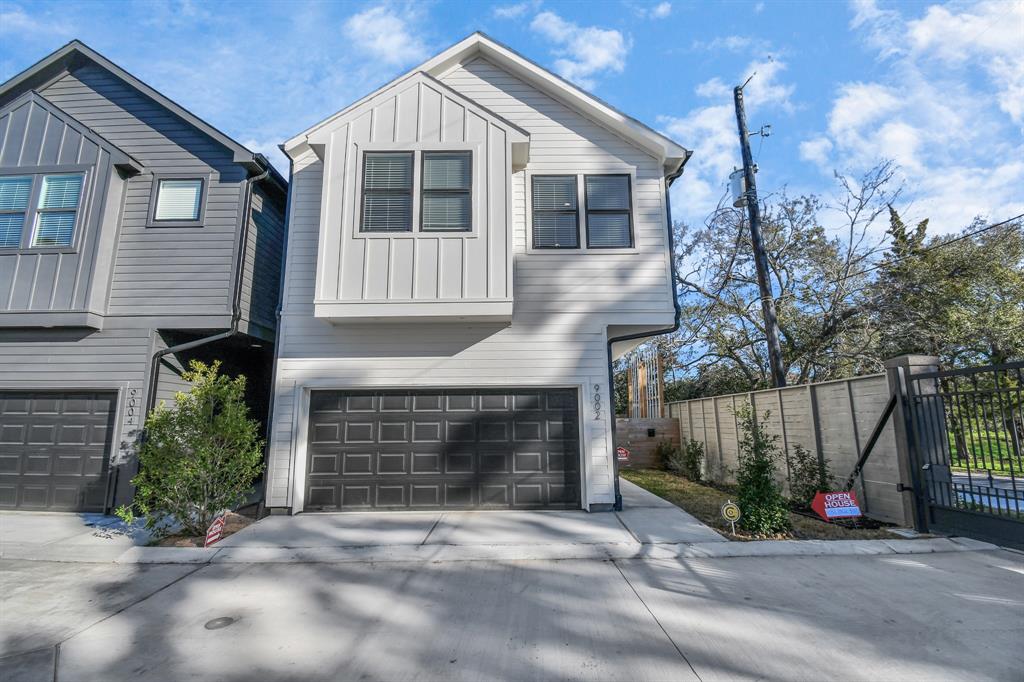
(56,448)
(449,449)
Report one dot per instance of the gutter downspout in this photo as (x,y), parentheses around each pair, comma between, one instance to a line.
(669,179)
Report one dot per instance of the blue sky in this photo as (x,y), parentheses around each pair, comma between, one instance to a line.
(937,87)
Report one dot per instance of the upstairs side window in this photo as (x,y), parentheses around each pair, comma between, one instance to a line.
(14,196)
(387,192)
(446,203)
(555,212)
(57,210)
(178,201)
(609,214)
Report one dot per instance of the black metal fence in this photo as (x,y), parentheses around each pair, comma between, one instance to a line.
(968,442)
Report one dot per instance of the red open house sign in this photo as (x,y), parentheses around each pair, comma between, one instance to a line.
(836,505)
(622,453)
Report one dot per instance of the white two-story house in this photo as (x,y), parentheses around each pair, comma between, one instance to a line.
(469,247)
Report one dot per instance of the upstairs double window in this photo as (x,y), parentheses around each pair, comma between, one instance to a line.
(607,208)
(46,205)
(445,192)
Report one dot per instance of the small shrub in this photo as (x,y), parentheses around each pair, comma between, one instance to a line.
(687,462)
(807,476)
(198,458)
(667,455)
(759,496)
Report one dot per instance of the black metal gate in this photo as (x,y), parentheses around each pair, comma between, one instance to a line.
(966,429)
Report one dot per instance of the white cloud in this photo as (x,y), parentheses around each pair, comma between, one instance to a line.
(385,35)
(15,20)
(728,43)
(816,150)
(713,89)
(661,10)
(710,131)
(517,10)
(583,52)
(948,110)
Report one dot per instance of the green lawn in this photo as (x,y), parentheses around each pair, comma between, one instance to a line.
(705,502)
(985,451)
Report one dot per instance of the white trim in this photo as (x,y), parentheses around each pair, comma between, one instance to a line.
(670,154)
(411,310)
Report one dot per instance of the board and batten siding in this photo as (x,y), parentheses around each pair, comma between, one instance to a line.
(408,267)
(35,136)
(160,271)
(565,302)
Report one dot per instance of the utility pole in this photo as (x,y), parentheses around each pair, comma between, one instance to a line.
(771,323)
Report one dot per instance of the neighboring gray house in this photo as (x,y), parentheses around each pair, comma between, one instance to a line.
(133,235)
(469,247)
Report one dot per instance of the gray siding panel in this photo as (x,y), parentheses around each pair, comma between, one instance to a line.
(152,269)
(33,135)
(262,267)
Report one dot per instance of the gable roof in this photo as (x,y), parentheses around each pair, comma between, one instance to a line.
(518,138)
(77,53)
(119,157)
(671,154)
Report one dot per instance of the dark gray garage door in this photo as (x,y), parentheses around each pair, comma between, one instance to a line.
(54,448)
(443,449)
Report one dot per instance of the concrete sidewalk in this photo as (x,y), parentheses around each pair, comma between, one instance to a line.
(648,527)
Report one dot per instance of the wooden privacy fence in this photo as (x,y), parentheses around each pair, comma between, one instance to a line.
(832,419)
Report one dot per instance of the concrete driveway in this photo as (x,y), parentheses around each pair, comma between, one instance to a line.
(955,616)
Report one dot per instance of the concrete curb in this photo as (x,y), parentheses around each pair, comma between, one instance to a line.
(535,552)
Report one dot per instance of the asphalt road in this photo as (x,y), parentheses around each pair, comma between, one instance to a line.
(941,616)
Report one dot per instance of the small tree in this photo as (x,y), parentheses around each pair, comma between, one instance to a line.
(808,476)
(760,496)
(198,458)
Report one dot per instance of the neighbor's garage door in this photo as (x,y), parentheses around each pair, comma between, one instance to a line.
(54,448)
(443,449)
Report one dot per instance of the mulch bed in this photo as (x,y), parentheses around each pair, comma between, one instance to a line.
(232,524)
(705,502)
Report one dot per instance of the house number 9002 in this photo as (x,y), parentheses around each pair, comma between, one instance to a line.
(597,402)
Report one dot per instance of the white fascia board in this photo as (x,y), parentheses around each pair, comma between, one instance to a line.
(670,154)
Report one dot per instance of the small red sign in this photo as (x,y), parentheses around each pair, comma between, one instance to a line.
(836,505)
(215,531)
(622,454)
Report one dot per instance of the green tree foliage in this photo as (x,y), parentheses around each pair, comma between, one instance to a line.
(848,297)
(958,297)
(200,457)
(808,476)
(760,499)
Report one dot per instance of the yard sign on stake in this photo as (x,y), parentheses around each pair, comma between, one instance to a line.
(215,531)
(836,505)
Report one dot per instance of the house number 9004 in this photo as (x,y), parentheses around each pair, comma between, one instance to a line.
(597,402)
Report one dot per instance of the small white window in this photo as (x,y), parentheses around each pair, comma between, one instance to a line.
(178,200)
(387,192)
(446,203)
(14,196)
(57,210)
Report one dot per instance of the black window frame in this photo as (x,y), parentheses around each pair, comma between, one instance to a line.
(533,211)
(154,197)
(364,190)
(445,192)
(603,211)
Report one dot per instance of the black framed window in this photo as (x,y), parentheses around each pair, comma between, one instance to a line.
(609,211)
(556,216)
(387,192)
(446,203)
